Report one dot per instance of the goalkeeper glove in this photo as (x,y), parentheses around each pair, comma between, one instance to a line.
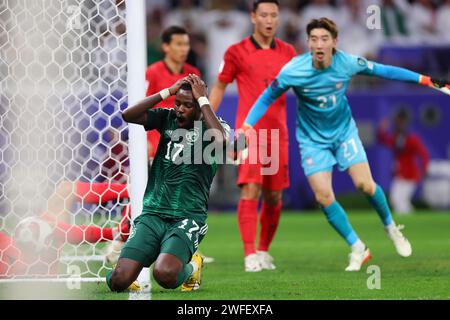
(434,82)
(240,142)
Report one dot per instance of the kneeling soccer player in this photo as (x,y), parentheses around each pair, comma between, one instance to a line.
(173,221)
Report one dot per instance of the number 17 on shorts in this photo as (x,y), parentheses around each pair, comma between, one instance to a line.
(193,230)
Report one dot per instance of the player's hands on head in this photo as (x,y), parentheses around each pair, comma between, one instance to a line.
(177,85)
(199,88)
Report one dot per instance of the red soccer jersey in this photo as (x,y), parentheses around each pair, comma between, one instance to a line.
(159,77)
(407,150)
(254,69)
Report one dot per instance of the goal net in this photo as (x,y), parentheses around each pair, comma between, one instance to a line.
(63,144)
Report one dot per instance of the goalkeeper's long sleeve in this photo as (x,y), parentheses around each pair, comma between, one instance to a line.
(261,105)
(395,73)
(402,74)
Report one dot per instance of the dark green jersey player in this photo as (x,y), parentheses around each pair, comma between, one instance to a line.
(178,186)
(173,220)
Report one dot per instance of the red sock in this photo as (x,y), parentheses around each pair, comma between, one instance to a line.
(247,213)
(77,234)
(101,192)
(270,216)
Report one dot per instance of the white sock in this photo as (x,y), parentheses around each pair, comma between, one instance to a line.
(358,246)
(390,227)
(194,266)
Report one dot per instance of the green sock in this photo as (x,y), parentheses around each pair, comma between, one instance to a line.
(108,279)
(184,274)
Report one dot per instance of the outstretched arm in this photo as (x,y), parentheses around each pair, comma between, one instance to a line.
(402,74)
(259,108)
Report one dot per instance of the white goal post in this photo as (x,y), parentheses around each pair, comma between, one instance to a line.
(67,70)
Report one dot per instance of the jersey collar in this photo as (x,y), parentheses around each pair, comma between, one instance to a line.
(258,47)
(170,71)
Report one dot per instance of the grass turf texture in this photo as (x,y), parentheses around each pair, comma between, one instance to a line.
(310,259)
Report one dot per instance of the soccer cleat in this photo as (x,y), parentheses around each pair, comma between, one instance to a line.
(134,287)
(252,263)
(401,244)
(357,259)
(195,280)
(266,260)
(206,259)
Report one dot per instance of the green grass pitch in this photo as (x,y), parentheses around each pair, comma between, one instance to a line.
(310,259)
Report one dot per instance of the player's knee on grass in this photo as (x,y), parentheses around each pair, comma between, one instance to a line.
(121,279)
(166,270)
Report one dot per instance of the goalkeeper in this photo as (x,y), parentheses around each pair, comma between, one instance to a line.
(327,133)
(173,221)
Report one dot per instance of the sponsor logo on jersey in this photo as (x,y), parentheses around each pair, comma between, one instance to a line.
(309,161)
(192,136)
(338,85)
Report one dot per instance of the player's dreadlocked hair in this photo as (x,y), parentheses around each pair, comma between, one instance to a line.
(323,23)
(257,2)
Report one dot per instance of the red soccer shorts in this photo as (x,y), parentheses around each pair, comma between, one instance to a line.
(271,171)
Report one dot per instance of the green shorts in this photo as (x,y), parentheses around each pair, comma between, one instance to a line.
(152,235)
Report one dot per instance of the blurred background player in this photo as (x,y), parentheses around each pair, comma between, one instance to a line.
(410,161)
(36,246)
(327,133)
(253,63)
(162,74)
(173,221)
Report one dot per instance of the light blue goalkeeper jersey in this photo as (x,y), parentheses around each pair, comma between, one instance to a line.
(323,112)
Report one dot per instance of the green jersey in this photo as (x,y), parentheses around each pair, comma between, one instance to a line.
(181,175)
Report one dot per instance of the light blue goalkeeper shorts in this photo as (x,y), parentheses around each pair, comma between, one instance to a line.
(321,157)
